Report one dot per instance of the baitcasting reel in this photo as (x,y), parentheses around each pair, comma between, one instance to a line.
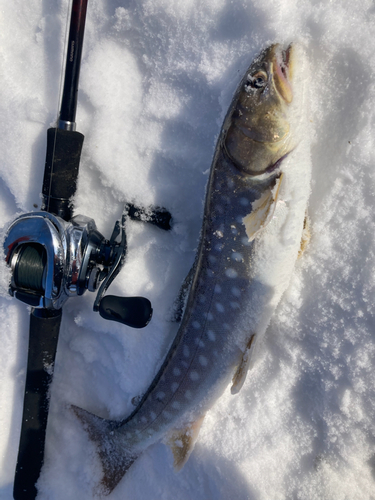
(52,259)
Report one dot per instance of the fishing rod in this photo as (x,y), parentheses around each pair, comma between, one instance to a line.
(54,255)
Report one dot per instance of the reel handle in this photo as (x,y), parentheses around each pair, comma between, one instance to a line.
(157,216)
(132,311)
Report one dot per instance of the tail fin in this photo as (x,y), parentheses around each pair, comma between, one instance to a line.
(115,458)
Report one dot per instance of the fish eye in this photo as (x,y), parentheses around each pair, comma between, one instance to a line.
(258,80)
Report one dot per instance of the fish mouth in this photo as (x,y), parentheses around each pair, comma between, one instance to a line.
(282,67)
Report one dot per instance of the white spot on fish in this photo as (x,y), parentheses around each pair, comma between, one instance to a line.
(153,415)
(233,229)
(210,273)
(219,307)
(196,325)
(202,300)
(212,259)
(245,241)
(176,405)
(143,420)
(236,291)
(237,256)
(176,371)
(231,273)
(167,415)
(160,395)
(219,234)
(199,342)
(235,305)
(203,360)
(219,247)
(210,316)
(217,289)
(211,335)
(186,351)
(188,394)
(244,202)
(194,376)
(174,386)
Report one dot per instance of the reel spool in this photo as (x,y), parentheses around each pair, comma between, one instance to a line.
(29,269)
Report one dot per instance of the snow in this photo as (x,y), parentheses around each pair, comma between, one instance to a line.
(156,81)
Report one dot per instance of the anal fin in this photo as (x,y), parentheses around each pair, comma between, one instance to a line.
(240,375)
(182,442)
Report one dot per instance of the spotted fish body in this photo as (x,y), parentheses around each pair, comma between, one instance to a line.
(251,234)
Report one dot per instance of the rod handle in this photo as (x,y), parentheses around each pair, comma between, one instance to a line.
(44,333)
(61,171)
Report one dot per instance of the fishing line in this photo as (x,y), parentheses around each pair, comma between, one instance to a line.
(59,96)
(30,269)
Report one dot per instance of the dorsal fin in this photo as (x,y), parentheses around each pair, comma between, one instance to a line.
(306,235)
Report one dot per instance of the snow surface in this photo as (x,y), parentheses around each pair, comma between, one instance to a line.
(156,81)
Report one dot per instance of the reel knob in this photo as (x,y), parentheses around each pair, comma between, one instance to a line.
(131,311)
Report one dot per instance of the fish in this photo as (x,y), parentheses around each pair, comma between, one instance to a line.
(253,224)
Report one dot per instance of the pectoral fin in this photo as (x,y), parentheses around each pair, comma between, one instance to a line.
(240,375)
(262,210)
(182,442)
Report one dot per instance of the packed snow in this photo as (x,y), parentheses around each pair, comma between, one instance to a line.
(157,78)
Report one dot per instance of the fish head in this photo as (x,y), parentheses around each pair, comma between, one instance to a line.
(258,130)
